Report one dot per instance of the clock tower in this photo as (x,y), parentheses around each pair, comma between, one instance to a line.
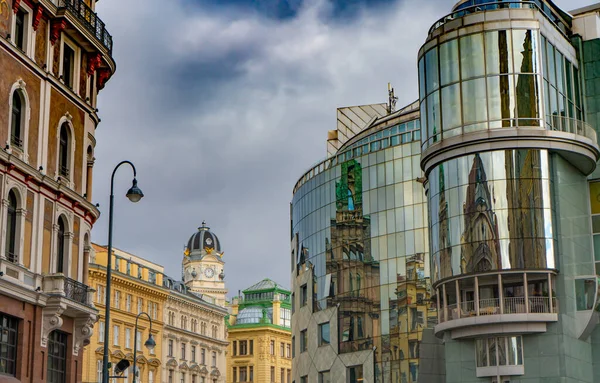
(203,266)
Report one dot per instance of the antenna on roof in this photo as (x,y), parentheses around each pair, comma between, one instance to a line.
(391,107)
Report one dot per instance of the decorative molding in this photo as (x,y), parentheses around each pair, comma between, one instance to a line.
(37,16)
(84,329)
(94,62)
(56,29)
(103,76)
(51,320)
(15,6)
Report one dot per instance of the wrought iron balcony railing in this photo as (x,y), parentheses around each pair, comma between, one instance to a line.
(77,291)
(89,20)
(14,258)
(61,286)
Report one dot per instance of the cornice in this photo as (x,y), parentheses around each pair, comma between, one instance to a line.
(172,330)
(99,271)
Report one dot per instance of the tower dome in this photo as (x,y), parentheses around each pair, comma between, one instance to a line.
(203,241)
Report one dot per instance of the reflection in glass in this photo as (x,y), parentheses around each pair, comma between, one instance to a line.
(498,52)
(501,100)
(449,62)
(528,99)
(525,46)
(474,101)
(431,68)
(433,116)
(471,56)
(451,107)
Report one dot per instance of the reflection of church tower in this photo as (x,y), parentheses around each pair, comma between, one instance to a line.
(480,242)
(525,213)
(445,253)
(203,266)
(353,273)
(527,89)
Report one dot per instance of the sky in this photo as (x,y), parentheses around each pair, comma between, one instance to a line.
(223,104)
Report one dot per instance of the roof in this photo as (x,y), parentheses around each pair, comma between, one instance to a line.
(265,284)
(588,9)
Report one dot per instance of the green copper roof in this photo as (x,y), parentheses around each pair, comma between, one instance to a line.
(265,284)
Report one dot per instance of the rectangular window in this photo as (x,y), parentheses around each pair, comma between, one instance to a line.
(183,351)
(282,349)
(117,299)
(57,357)
(251,374)
(138,343)
(203,356)
(293,346)
(183,377)
(214,359)
(303,340)
(282,377)
(272,374)
(304,379)
(128,302)
(355,374)
(243,347)
(99,294)
(193,353)
(251,347)
(289,376)
(288,348)
(68,65)
(324,334)
(243,374)
(170,349)
(101,332)
(115,335)
(234,348)
(127,338)
(234,374)
(170,376)
(272,348)
(20,29)
(324,377)
(8,344)
(140,305)
(303,295)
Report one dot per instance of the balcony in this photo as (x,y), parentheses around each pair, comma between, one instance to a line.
(504,302)
(88,20)
(57,285)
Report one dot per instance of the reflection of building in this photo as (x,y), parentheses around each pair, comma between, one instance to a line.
(508,171)
(53,63)
(260,343)
(367,270)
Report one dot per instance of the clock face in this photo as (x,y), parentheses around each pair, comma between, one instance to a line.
(209,273)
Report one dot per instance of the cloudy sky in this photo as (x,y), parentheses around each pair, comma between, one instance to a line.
(223,104)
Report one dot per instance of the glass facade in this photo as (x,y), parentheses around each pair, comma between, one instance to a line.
(497,79)
(361,227)
(491,211)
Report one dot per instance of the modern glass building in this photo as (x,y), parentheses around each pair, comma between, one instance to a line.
(455,240)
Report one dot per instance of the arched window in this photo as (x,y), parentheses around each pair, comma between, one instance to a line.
(63,151)
(11,228)
(61,245)
(16,120)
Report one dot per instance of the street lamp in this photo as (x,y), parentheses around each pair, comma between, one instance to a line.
(134,194)
(150,343)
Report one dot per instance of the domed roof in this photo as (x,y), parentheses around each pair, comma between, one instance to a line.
(254,314)
(203,240)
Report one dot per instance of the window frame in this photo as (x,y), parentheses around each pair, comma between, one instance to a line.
(11,327)
(28,45)
(76,65)
(57,361)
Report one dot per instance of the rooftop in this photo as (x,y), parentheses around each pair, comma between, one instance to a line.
(265,284)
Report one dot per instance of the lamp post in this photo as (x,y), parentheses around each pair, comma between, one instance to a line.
(150,343)
(134,194)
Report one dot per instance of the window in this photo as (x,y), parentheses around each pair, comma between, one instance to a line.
(138,341)
(193,353)
(324,334)
(17,121)
(170,348)
(303,295)
(289,376)
(68,71)
(243,347)
(304,379)
(235,374)
(61,245)
(99,371)
(128,302)
(101,332)
(63,156)
(183,351)
(282,349)
(100,298)
(21,26)
(127,338)
(499,351)
(150,377)
(293,346)
(8,344)
(151,276)
(243,374)
(272,374)
(234,347)
(288,353)
(57,357)
(282,376)
(303,340)
(285,318)
(585,294)
(128,268)
(183,377)
(355,374)
(272,348)
(203,356)
(117,299)
(194,378)
(140,305)
(324,377)
(115,335)
(251,374)
(11,228)
(170,376)
(251,347)
(214,359)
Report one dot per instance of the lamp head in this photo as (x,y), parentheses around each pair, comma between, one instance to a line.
(150,343)
(134,193)
(121,366)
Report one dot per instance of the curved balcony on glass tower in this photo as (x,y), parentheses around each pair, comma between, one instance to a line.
(506,151)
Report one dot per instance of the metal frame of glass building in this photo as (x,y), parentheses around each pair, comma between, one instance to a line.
(455,240)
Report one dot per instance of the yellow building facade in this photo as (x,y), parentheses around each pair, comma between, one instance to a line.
(137,286)
(259,335)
